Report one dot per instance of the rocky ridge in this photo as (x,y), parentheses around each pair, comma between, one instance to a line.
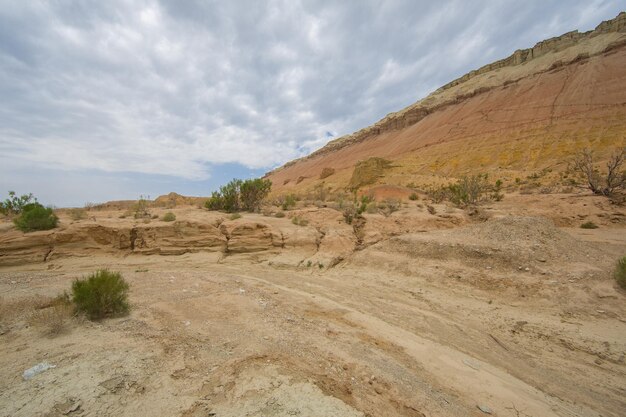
(545,56)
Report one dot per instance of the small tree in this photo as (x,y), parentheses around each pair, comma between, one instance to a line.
(601,184)
(15,204)
(253,192)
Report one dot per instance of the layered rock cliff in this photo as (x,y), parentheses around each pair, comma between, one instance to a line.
(564,73)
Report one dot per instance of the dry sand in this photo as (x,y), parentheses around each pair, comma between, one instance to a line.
(514,315)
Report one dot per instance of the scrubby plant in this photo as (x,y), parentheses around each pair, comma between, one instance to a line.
(280,214)
(289,202)
(141,208)
(413,197)
(298,221)
(389,206)
(102,294)
(234,216)
(253,192)
(239,195)
(431,209)
(607,183)
(78,214)
(34,216)
(53,318)
(468,191)
(620,272)
(589,225)
(15,204)
(169,217)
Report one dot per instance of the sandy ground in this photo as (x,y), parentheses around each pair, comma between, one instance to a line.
(515,317)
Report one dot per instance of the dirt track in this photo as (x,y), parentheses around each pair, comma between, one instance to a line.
(417,335)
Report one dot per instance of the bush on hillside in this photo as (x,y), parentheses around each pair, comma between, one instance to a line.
(36,217)
(102,294)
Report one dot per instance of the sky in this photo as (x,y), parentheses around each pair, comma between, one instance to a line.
(108,100)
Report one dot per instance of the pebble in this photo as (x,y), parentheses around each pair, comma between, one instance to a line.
(484,409)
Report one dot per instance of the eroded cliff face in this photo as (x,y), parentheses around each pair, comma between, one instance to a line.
(573,73)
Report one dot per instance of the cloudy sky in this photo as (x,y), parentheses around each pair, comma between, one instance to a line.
(114,99)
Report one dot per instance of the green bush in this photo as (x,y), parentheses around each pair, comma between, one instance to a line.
(620,272)
(413,197)
(169,217)
(102,294)
(280,215)
(252,192)
(239,195)
(14,204)
(589,225)
(36,217)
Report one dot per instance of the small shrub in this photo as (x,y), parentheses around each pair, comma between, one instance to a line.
(431,209)
(280,215)
(289,202)
(169,217)
(620,272)
(155,216)
(299,221)
(389,206)
(589,225)
(413,197)
(308,264)
(78,214)
(36,217)
(140,208)
(102,294)
(234,216)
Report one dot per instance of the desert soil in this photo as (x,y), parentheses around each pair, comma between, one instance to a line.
(514,316)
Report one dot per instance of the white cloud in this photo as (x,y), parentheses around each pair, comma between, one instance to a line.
(175,88)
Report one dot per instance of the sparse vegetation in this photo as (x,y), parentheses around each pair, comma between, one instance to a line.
(589,225)
(620,272)
(234,216)
(34,217)
(140,208)
(468,191)
(601,183)
(298,221)
(15,204)
(54,318)
(78,214)
(413,197)
(289,202)
(102,294)
(239,195)
(431,209)
(279,214)
(389,206)
(169,217)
